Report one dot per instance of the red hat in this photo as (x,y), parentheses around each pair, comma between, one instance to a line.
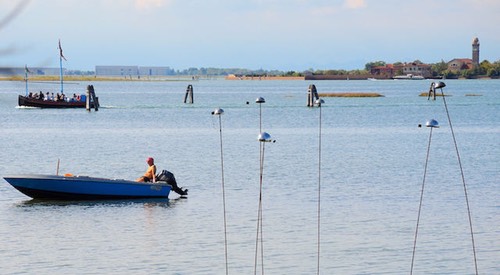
(150,159)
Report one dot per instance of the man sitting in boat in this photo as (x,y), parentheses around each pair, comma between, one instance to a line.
(166,176)
(150,175)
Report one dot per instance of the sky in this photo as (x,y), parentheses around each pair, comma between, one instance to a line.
(286,35)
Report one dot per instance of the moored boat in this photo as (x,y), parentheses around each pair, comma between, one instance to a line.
(408,77)
(42,103)
(44,100)
(71,187)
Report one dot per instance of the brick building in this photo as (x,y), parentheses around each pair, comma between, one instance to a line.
(459,64)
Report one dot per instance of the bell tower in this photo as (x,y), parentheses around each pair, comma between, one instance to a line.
(475,51)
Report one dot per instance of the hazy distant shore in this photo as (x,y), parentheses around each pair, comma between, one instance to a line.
(98,78)
(193,78)
(234,77)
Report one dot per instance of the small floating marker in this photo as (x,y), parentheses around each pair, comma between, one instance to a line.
(439,85)
(319,101)
(265,137)
(218,112)
(260,100)
(432,123)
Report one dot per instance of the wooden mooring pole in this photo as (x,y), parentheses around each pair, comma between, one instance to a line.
(432,92)
(189,93)
(312,95)
(92,101)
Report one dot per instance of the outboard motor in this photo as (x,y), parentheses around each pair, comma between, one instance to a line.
(169,178)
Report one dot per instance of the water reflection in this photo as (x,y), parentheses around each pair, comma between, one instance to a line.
(150,202)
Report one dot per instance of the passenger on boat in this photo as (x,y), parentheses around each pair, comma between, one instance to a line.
(41,96)
(150,175)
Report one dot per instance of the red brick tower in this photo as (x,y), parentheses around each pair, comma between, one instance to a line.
(475,51)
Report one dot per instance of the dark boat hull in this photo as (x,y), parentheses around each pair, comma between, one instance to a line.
(33,102)
(85,188)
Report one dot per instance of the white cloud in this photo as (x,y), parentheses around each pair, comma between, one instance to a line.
(146,4)
(355,4)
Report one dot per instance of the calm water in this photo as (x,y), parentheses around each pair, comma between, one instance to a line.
(373,157)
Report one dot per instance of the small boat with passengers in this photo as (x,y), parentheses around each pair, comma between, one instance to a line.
(78,101)
(69,187)
(46,100)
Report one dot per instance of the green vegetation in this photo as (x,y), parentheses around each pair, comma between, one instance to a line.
(440,69)
(427,94)
(369,65)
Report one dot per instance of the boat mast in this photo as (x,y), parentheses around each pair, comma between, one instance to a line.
(61,57)
(26,71)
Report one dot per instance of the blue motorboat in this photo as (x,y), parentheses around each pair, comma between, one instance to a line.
(69,187)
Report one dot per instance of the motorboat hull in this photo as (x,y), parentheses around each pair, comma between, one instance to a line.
(40,103)
(85,188)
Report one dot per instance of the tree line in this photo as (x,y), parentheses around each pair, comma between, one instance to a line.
(440,69)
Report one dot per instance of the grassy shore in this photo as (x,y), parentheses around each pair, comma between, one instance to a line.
(357,94)
(427,94)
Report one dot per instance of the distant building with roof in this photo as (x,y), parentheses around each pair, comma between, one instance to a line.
(386,71)
(417,69)
(425,70)
(117,71)
(459,64)
(391,70)
(132,71)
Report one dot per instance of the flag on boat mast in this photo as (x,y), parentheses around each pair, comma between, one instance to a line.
(61,57)
(26,72)
(60,51)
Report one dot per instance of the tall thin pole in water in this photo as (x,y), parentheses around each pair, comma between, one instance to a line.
(26,71)
(319,102)
(431,124)
(219,112)
(262,137)
(441,85)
